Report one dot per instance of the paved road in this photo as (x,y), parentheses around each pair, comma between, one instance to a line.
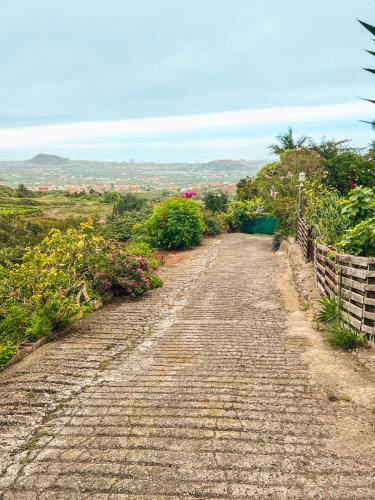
(194,391)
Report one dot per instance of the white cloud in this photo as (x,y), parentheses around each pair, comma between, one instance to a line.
(49,135)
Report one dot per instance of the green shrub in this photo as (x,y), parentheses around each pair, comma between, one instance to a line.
(143,249)
(216,201)
(330,311)
(127,225)
(7,350)
(57,281)
(342,337)
(128,202)
(360,240)
(358,206)
(239,211)
(323,212)
(176,224)
(214,223)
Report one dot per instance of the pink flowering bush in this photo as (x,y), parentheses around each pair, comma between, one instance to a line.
(125,274)
(189,194)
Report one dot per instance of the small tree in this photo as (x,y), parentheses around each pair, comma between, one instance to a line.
(129,202)
(216,201)
(23,192)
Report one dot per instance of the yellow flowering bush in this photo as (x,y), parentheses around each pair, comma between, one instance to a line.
(57,281)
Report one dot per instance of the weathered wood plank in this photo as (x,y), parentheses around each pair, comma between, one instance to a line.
(369,315)
(368,329)
(358,311)
(353,272)
(356,323)
(349,294)
(349,283)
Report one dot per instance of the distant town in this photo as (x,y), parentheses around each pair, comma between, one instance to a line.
(46,173)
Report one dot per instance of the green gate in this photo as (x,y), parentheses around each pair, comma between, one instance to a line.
(260,225)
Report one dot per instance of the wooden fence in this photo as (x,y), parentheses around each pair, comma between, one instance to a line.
(305,241)
(347,277)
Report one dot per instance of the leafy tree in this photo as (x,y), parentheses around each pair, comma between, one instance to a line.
(330,148)
(216,201)
(23,192)
(348,169)
(287,141)
(127,203)
(111,197)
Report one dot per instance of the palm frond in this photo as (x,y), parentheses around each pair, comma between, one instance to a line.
(369,27)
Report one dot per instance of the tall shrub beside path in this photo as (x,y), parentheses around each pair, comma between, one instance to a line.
(176,224)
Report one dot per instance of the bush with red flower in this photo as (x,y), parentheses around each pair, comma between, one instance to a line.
(176,224)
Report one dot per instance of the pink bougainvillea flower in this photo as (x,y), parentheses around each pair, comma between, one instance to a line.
(189,194)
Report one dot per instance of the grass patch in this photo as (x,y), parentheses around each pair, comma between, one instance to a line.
(330,310)
(342,337)
(339,397)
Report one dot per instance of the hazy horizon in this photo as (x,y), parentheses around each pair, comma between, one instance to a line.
(154,81)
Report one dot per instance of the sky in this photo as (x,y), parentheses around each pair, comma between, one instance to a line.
(181,80)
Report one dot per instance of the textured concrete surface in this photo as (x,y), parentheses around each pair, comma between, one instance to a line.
(197,390)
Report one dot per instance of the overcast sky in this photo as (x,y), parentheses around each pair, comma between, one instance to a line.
(170,80)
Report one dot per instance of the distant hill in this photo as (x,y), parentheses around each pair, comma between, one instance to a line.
(43,159)
(6,192)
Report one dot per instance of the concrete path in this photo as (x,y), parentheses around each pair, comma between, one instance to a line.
(196,390)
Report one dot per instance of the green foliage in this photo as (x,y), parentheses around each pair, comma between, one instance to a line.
(7,350)
(278,185)
(17,211)
(239,211)
(339,335)
(128,202)
(323,212)
(121,227)
(342,337)
(359,205)
(56,282)
(330,310)
(214,223)
(348,169)
(216,201)
(176,224)
(359,240)
(16,233)
(23,192)
(6,191)
(246,189)
(111,197)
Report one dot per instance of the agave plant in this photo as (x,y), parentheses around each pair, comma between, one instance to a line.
(371,29)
